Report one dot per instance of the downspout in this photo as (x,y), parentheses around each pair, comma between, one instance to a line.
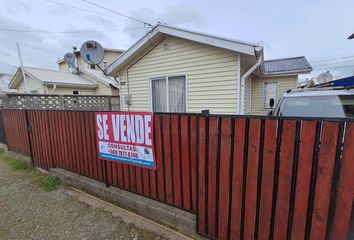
(243,78)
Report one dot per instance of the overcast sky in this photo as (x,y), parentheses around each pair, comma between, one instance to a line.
(317,29)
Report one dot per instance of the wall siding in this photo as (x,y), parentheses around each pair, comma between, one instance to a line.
(33,85)
(211,75)
(284,83)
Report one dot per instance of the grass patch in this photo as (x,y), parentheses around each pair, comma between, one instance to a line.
(47,182)
(14,163)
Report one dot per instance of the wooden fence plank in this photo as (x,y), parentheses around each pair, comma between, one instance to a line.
(284,182)
(269,154)
(201,214)
(224,177)
(167,158)
(345,196)
(307,141)
(326,159)
(176,168)
(95,160)
(186,171)
(139,183)
(251,178)
(193,161)
(158,157)
(212,167)
(237,178)
(146,183)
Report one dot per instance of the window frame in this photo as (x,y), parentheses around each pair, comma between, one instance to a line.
(166,77)
(276,94)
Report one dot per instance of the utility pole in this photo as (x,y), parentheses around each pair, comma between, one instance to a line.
(22,70)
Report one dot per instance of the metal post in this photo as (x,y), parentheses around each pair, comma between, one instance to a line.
(22,70)
(29,130)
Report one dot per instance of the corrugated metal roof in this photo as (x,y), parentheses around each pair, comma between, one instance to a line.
(287,65)
(98,75)
(64,78)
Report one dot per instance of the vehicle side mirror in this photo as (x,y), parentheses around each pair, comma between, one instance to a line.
(271,102)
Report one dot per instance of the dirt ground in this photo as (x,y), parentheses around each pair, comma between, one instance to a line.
(28,212)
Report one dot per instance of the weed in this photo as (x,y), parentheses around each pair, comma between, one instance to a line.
(47,182)
(51,183)
(14,163)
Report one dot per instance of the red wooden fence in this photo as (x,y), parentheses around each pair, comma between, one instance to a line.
(275,179)
(244,177)
(16,131)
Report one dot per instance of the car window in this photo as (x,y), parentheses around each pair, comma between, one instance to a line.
(318,106)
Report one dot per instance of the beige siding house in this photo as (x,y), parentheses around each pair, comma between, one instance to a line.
(44,81)
(177,70)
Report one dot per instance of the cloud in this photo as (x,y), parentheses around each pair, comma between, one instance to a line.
(177,15)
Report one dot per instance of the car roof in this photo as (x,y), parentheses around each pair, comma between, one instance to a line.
(319,92)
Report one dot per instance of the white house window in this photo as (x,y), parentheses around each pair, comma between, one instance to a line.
(269,92)
(168,94)
(76,92)
(34,91)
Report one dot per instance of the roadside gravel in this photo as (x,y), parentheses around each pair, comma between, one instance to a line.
(28,212)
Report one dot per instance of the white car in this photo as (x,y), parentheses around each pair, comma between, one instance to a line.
(316,102)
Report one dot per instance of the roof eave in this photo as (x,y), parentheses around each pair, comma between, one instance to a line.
(287,73)
(232,45)
(60,84)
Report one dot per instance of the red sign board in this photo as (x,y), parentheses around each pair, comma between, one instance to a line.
(126,137)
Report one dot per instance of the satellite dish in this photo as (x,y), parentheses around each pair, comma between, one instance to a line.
(92,52)
(70,59)
(325,77)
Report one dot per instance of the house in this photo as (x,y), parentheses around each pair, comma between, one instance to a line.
(45,81)
(109,56)
(172,69)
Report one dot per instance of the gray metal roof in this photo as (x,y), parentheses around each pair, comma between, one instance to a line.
(287,65)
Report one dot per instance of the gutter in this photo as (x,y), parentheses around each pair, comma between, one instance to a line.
(243,78)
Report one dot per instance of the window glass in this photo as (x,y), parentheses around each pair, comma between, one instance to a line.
(169,94)
(76,92)
(159,95)
(269,92)
(177,94)
(318,106)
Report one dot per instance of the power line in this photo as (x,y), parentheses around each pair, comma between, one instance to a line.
(8,64)
(332,63)
(121,14)
(331,59)
(335,67)
(44,31)
(82,9)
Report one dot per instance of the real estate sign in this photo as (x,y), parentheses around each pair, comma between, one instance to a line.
(126,137)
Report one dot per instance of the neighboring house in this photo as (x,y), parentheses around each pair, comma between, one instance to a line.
(4,83)
(44,81)
(177,70)
(109,56)
(278,76)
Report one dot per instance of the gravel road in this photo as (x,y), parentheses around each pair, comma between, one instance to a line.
(28,212)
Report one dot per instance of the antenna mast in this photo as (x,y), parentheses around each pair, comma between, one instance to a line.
(22,70)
